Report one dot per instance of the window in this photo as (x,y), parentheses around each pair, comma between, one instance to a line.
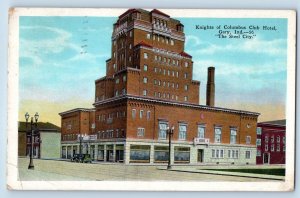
(165,60)
(218,133)
(130,33)
(177,74)
(185,75)
(177,85)
(116,93)
(164,72)
(162,130)
(164,83)
(248,139)
(186,87)
(130,46)
(172,42)
(145,55)
(148,36)
(155,69)
(201,131)
(283,140)
(185,98)
(248,154)
(233,134)
(176,97)
(133,113)
(114,66)
(148,115)
(278,139)
(266,139)
(283,148)
(141,132)
(278,147)
(182,131)
(217,153)
(124,78)
(145,67)
(258,153)
(272,147)
(266,147)
(159,82)
(168,72)
(141,114)
(145,79)
(258,142)
(159,94)
(117,81)
(233,154)
(272,139)
(186,64)
(155,57)
(155,81)
(144,92)
(258,130)
(123,91)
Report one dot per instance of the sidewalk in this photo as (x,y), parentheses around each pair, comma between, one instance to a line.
(225,173)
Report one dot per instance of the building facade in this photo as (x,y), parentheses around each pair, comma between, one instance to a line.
(46,142)
(271,142)
(148,87)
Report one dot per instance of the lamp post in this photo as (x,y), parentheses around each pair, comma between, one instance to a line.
(80,143)
(33,127)
(170,132)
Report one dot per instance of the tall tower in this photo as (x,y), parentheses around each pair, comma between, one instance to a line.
(148,59)
(210,88)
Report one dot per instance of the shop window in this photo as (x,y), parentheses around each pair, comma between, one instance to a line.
(181,154)
(161,154)
(139,153)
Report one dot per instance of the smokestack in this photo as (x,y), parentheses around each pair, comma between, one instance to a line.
(210,87)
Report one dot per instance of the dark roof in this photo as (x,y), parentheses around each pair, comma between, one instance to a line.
(275,122)
(185,54)
(43,126)
(159,12)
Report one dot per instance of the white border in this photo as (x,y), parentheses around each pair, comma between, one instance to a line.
(13,101)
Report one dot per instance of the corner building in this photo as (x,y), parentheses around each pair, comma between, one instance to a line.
(148,86)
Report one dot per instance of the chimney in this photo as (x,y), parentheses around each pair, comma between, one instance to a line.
(210,87)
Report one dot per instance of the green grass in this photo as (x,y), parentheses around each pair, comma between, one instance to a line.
(266,171)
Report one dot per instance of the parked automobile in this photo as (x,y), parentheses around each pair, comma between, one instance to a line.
(82,158)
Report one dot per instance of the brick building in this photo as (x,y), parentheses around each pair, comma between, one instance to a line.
(148,87)
(271,142)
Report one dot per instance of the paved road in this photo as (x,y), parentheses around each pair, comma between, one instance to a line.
(50,170)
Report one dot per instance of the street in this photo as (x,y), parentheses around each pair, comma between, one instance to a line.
(52,170)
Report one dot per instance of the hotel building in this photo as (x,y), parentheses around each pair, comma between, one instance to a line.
(148,87)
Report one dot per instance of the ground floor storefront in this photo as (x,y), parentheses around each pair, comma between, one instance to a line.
(155,152)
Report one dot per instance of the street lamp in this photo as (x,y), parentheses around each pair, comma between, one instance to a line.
(33,128)
(170,132)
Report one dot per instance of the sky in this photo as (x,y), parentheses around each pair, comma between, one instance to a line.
(61,57)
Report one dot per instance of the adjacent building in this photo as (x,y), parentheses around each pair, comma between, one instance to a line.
(147,89)
(46,142)
(271,142)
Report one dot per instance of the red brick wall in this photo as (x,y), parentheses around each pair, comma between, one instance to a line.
(276,157)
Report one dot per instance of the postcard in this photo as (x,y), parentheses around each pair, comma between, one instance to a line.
(151,99)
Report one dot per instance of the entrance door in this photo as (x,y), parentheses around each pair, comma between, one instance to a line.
(200,155)
(266,158)
(119,155)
